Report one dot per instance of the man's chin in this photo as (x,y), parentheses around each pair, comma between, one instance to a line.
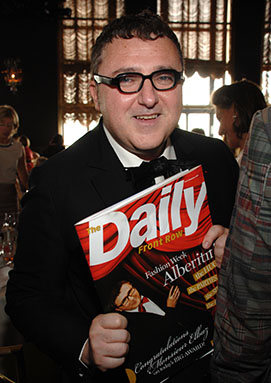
(149,154)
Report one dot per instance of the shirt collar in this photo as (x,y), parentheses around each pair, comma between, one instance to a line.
(129,159)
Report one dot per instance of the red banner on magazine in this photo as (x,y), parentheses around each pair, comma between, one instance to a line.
(174,216)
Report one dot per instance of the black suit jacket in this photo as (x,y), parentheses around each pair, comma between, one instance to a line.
(50,296)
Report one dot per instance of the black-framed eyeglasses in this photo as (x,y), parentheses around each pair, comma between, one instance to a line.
(132,82)
(126,299)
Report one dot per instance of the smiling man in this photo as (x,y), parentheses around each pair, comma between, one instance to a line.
(140,122)
(137,76)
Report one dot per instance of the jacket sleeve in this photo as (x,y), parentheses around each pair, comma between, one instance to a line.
(40,300)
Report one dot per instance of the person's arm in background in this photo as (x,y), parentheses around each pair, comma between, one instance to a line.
(22,170)
(243,316)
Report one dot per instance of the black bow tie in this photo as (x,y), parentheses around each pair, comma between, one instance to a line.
(143,176)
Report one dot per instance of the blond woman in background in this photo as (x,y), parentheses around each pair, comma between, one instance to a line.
(12,161)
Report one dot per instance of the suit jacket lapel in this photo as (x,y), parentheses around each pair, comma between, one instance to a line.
(182,147)
(185,149)
(107,172)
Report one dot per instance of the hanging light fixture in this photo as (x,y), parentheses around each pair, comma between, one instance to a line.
(12,74)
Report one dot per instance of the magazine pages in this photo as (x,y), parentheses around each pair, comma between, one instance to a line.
(146,259)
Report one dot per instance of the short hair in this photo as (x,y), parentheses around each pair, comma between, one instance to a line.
(247,98)
(198,131)
(144,25)
(10,112)
(57,139)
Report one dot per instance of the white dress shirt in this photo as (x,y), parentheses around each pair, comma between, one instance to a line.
(129,159)
(150,307)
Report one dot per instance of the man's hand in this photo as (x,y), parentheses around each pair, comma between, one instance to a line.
(173,296)
(217,234)
(108,341)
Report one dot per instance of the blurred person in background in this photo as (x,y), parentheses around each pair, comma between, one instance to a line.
(243,316)
(31,156)
(12,161)
(25,141)
(235,105)
(55,145)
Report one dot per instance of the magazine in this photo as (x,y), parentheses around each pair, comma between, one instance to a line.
(146,260)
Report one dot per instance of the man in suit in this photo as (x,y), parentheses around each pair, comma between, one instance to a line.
(126,297)
(136,84)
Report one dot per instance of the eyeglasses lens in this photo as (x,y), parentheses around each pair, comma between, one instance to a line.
(132,82)
(163,80)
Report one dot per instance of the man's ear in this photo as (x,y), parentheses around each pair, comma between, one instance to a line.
(94,94)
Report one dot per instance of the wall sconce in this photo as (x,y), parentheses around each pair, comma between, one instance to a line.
(12,74)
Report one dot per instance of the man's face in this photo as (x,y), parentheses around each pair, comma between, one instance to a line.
(227,117)
(140,122)
(128,298)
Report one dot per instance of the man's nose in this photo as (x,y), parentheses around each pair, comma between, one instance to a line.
(148,95)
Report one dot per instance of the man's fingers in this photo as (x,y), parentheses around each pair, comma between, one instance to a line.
(116,336)
(109,340)
(117,350)
(216,235)
(213,233)
(220,248)
(113,321)
(175,291)
(110,351)
(107,363)
(109,328)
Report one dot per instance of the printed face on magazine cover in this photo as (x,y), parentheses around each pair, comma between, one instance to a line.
(140,122)
(128,298)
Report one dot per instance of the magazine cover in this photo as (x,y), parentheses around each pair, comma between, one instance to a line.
(146,259)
